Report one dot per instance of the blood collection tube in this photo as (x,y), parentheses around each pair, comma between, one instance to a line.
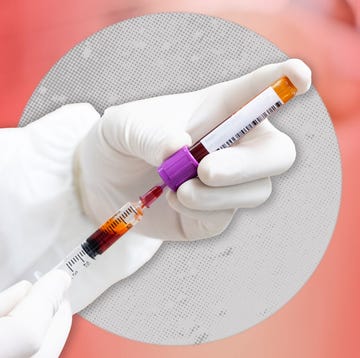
(178,168)
(182,165)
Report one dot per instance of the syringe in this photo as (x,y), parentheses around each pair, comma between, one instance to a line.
(178,168)
(108,233)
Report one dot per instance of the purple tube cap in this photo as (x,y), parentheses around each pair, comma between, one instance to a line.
(178,168)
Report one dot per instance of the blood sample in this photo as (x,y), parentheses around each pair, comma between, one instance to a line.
(108,233)
(182,165)
(178,168)
(120,223)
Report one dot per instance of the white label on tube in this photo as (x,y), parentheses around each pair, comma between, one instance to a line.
(242,121)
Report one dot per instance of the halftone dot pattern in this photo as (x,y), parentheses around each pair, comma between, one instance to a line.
(197,292)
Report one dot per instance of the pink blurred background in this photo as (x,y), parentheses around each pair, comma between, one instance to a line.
(323,320)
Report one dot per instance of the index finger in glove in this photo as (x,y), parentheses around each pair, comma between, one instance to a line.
(151,129)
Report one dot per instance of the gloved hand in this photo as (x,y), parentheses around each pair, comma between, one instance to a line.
(35,319)
(41,216)
(46,186)
(116,159)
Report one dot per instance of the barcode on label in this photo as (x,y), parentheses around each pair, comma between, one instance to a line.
(246,118)
(250,126)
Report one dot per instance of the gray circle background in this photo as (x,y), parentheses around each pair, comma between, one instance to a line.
(207,290)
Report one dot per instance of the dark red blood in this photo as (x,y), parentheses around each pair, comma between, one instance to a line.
(149,197)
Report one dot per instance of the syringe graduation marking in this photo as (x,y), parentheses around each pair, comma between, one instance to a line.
(69,267)
(251,125)
(74,259)
(82,256)
(122,221)
(118,218)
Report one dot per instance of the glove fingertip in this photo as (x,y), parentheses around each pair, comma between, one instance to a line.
(56,281)
(188,195)
(283,153)
(13,295)
(23,286)
(207,171)
(299,74)
(262,192)
(64,277)
(290,152)
(19,289)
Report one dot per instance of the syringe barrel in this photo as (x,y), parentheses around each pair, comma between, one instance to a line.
(75,262)
(182,165)
(110,231)
(98,242)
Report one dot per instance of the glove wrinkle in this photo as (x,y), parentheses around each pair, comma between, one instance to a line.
(71,162)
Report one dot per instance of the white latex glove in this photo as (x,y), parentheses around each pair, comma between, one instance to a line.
(35,319)
(116,159)
(115,163)
(41,219)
